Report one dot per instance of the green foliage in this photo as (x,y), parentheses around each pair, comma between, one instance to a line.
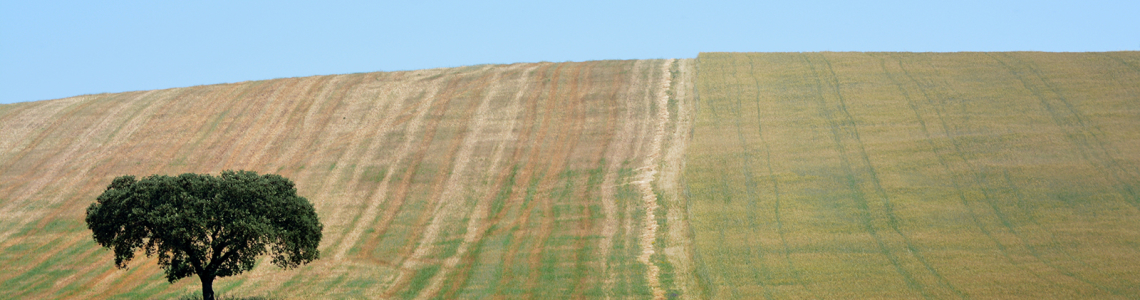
(196,295)
(206,225)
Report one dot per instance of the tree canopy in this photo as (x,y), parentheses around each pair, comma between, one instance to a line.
(205,225)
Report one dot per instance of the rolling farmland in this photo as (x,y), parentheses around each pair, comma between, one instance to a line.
(522,180)
(733,175)
(903,175)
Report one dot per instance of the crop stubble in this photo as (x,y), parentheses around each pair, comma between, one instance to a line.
(494,180)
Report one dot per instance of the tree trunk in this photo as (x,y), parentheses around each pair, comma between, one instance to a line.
(207,286)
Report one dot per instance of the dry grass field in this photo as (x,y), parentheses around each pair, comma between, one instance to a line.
(507,181)
(903,175)
(731,176)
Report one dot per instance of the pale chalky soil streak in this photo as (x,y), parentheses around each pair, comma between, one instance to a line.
(391,96)
(447,200)
(645,176)
(619,151)
(344,139)
(678,249)
(473,233)
(395,105)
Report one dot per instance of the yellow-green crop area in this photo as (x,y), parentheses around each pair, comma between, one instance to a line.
(729,176)
(905,175)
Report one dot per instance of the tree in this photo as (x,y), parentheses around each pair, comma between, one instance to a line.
(205,225)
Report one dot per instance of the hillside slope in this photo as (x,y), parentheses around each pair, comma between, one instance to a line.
(734,175)
(917,175)
(543,179)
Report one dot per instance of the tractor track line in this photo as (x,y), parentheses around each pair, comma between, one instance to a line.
(958,186)
(679,247)
(922,123)
(857,194)
(757,251)
(1080,144)
(796,272)
(977,179)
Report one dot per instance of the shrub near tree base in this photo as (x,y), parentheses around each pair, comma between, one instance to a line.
(205,225)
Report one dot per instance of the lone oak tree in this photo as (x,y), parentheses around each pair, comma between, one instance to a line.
(205,225)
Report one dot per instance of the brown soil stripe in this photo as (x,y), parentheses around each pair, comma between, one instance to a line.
(35,156)
(64,167)
(77,168)
(527,206)
(420,110)
(525,146)
(478,213)
(437,186)
(132,147)
(563,147)
(494,191)
(546,130)
(591,195)
(400,197)
(371,155)
(557,160)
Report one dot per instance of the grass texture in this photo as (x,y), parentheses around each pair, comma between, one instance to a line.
(509,181)
(734,175)
(906,175)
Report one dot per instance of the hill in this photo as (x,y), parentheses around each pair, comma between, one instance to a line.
(917,175)
(733,175)
(528,180)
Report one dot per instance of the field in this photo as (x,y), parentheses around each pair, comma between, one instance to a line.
(522,180)
(729,176)
(904,175)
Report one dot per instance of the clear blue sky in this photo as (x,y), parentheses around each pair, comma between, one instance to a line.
(56,49)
